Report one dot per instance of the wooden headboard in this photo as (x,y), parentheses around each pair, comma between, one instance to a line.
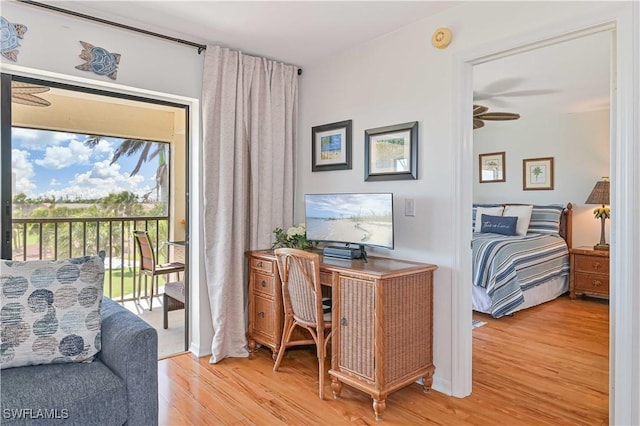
(566,224)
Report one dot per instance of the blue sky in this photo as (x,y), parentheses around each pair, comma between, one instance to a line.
(49,163)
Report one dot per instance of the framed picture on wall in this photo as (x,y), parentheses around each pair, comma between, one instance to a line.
(492,167)
(331,146)
(391,152)
(537,174)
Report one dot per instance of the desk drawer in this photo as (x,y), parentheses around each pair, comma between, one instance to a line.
(263,320)
(263,265)
(592,283)
(326,278)
(599,265)
(263,283)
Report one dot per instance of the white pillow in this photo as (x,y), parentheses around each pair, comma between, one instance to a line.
(524,216)
(491,211)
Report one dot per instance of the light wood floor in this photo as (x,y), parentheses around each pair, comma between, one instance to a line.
(547,365)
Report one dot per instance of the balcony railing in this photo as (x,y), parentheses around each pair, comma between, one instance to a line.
(58,238)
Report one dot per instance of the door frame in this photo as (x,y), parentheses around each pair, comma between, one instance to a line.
(192,111)
(624,324)
(5,164)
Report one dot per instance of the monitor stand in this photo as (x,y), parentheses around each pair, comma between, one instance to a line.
(363,254)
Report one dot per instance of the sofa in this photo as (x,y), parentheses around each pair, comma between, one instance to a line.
(120,386)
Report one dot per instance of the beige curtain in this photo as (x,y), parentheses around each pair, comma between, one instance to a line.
(250,114)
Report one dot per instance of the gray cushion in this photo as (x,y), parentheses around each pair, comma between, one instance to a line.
(50,310)
(70,394)
(175,289)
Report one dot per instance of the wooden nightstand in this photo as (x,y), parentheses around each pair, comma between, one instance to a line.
(589,272)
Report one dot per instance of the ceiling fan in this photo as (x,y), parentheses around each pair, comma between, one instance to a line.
(480,113)
(24,93)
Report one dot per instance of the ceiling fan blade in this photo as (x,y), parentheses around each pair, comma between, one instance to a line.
(27,99)
(501,103)
(477,123)
(503,85)
(532,92)
(29,90)
(498,116)
(19,87)
(481,96)
(479,109)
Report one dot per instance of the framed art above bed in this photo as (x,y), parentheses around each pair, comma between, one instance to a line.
(492,167)
(537,174)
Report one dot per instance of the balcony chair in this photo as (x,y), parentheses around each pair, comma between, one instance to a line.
(149,267)
(173,299)
(302,296)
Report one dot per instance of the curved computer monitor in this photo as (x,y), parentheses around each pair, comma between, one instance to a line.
(362,219)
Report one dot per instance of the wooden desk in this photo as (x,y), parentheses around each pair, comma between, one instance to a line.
(382,320)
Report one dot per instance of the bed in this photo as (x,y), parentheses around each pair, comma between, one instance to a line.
(515,272)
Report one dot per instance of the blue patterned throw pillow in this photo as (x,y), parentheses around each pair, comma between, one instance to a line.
(505,225)
(50,310)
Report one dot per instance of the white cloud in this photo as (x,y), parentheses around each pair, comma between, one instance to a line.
(59,157)
(34,139)
(103,150)
(54,182)
(22,172)
(102,180)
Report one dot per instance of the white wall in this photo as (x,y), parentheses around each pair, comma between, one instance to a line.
(148,67)
(399,78)
(52,43)
(579,144)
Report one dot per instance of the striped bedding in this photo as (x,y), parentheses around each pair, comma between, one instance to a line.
(508,265)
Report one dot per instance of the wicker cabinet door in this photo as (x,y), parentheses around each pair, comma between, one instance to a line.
(357,340)
(407,335)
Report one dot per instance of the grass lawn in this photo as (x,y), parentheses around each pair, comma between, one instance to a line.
(120,280)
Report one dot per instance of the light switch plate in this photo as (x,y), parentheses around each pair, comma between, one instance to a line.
(409,207)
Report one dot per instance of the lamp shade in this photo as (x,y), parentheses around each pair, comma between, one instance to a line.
(600,193)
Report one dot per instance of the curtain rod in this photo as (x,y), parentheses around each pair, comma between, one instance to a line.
(200,47)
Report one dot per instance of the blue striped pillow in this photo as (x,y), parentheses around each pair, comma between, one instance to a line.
(546,219)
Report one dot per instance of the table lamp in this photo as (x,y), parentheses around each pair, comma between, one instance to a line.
(600,195)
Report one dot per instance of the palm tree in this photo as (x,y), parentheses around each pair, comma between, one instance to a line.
(147,150)
(121,204)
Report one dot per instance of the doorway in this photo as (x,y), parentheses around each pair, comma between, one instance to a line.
(128,145)
(561,91)
(624,246)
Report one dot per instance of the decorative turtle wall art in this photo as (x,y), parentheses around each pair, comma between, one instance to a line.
(99,60)
(9,35)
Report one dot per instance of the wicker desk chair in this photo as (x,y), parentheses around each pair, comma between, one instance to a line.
(148,265)
(302,297)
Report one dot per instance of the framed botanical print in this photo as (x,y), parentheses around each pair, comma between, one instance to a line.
(492,167)
(537,174)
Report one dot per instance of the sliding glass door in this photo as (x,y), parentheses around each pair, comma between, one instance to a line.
(80,169)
